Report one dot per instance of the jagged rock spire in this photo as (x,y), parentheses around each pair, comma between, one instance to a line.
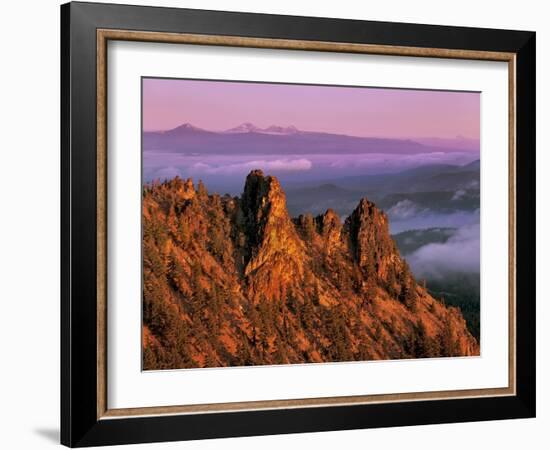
(373,247)
(330,229)
(275,244)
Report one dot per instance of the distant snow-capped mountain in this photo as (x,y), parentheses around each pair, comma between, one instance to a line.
(275,129)
(246,127)
(248,138)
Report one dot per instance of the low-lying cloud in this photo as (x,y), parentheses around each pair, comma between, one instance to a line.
(389,162)
(318,167)
(405,209)
(459,194)
(406,215)
(213,169)
(461,253)
(278,165)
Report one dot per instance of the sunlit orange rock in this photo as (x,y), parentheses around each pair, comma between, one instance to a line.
(235,281)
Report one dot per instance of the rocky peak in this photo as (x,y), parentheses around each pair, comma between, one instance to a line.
(329,221)
(263,202)
(183,189)
(188,190)
(370,239)
(330,229)
(255,190)
(275,246)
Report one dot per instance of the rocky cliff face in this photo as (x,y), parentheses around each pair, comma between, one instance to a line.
(236,281)
(275,250)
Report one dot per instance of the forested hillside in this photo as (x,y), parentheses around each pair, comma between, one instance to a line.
(230,281)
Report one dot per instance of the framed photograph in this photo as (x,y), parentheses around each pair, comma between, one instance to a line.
(276,224)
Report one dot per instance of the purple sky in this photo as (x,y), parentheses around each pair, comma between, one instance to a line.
(376,112)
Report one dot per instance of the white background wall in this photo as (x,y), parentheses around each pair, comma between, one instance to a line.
(29,224)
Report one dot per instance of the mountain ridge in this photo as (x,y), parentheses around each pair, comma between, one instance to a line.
(247,138)
(234,281)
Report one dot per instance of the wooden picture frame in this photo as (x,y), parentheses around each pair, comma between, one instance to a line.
(86,418)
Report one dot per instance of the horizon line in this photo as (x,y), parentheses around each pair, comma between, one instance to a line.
(298,130)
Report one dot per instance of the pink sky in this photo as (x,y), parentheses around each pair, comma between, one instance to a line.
(397,113)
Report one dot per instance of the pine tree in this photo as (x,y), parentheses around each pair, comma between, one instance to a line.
(291,302)
(407,293)
(410,298)
(370,290)
(363,353)
(447,339)
(316,294)
(338,334)
(202,192)
(183,232)
(280,355)
(267,317)
(427,347)
(309,226)
(411,344)
(244,356)
(149,359)
(307,315)
(210,361)
(254,319)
